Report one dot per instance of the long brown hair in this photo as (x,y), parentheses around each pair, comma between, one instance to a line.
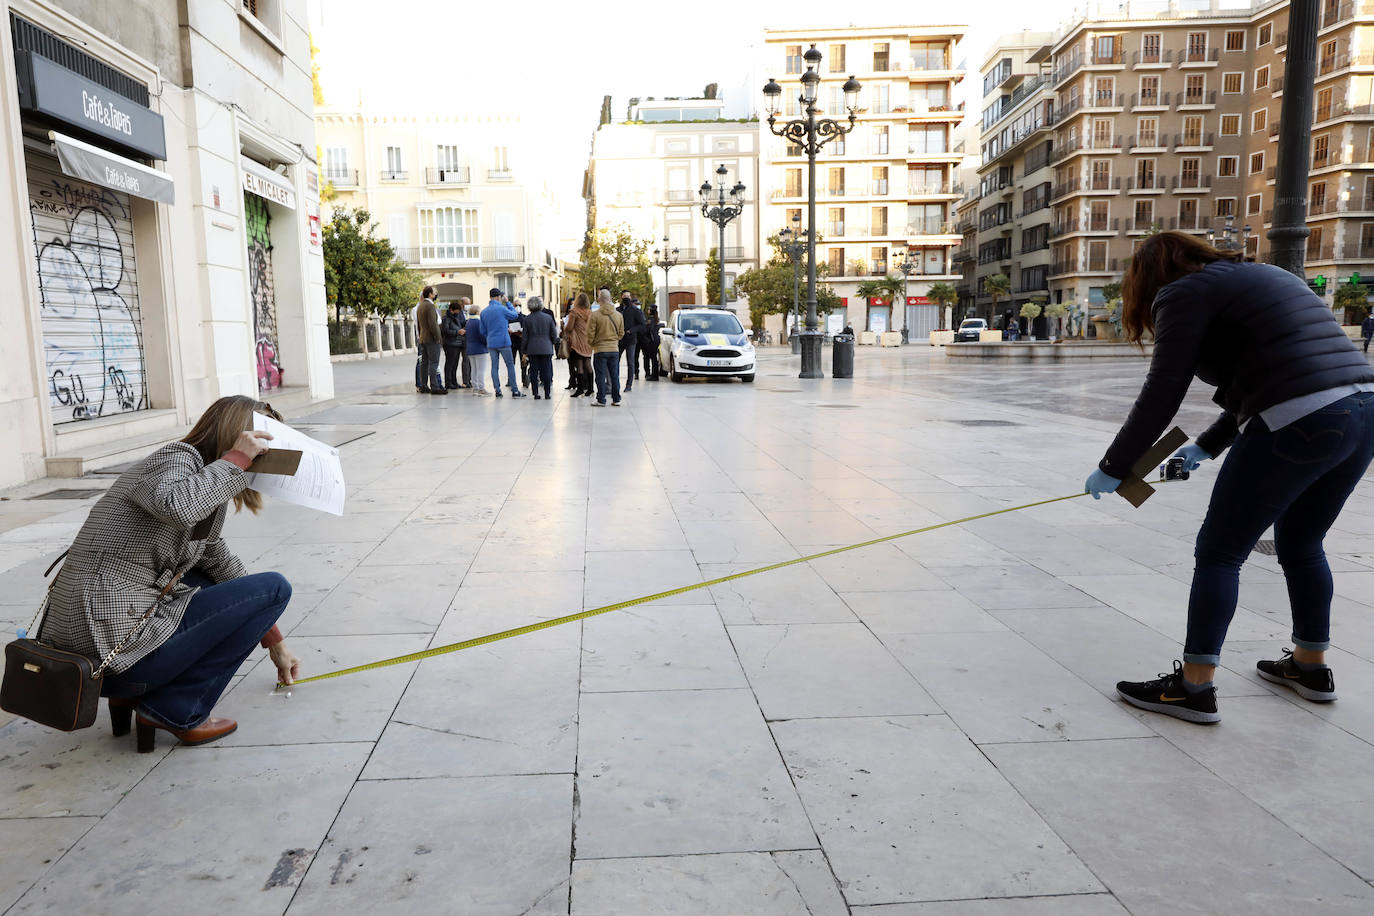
(219,427)
(1160,260)
(582,302)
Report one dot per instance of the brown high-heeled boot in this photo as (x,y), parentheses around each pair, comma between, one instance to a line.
(204,733)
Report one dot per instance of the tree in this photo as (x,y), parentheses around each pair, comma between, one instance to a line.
(886,289)
(315,71)
(944,295)
(713,275)
(614,258)
(1352,301)
(1111,291)
(362,274)
(997,286)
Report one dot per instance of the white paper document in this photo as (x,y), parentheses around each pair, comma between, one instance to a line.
(317,484)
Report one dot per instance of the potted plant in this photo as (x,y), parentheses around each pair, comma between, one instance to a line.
(1056,312)
(1030,311)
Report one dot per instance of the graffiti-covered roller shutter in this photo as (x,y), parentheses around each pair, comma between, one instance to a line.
(263,290)
(88,281)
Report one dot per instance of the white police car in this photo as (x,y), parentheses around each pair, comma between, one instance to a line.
(706,342)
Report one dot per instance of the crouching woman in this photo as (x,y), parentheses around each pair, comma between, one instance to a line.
(153,542)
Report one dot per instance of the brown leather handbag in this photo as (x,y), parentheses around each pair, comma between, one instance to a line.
(55,687)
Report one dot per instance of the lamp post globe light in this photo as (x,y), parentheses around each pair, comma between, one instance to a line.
(793,244)
(721,211)
(667,259)
(907,267)
(811,133)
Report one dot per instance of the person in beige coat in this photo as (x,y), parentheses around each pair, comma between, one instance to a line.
(579,350)
(603,335)
(150,588)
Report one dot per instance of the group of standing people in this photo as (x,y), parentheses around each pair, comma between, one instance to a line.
(594,341)
(469,336)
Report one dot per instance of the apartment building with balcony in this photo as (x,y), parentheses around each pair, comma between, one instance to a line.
(645,172)
(1169,120)
(889,188)
(459,198)
(1012,216)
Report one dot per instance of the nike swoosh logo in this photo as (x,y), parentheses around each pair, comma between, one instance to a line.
(1164,699)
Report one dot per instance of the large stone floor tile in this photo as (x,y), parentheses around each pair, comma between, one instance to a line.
(1166,835)
(31,846)
(998,687)
(826,669)
(996,588)
(926,611)
(880,568)
(385,599)
(1103,646)
(350,708)
(562,550)
(737,542)
(1161,603)
(351,527)
(505,708)
(1353,712)
(211,830)
(810,526)
(907,810)
(682,772)
(46,773)
(409,847)
(757,883)
(488,602)
(1072,905)
(794,594)
(617,575)
(459,508)
(1266,743)
(659,648)
(428,544)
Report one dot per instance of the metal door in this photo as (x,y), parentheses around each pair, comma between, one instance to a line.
(92,329)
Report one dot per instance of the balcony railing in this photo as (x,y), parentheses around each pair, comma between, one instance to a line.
(1068,67)
(1034,206)
(1191,139)
(392,175)
(1116,57)
(834,229)
(833,192)
(1152,99)
(1107,100)
(1150,183)
(1101,265)
(1192,182)
(931,227)
(503,254)
(786,194)
(342,178)
(1152,57)
(1199,56)
(1198,98)
(500,175)
(457,175)
(1086,144)
(1033,247)
(931,189)
(1333,205)
(878,189)
(1148,141)
(1102,183)
(673,195)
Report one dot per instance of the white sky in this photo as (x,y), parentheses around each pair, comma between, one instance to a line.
(551,62)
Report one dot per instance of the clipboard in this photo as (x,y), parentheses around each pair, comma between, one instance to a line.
(282,461)
(1134,489)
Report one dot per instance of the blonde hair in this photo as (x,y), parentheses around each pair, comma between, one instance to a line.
(218,429)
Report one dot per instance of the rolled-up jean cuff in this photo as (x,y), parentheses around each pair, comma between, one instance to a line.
(1310,645)
(1193,659)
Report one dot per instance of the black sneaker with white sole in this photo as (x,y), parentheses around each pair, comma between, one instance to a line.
(1167,695)
(1317,685)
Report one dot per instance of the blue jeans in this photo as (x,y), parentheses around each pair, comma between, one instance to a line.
(630,347)
(180,681)
(1296,479)
(508,356)
(429,366)
(607,368)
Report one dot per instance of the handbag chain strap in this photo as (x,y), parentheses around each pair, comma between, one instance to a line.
(123,643)
(147,615)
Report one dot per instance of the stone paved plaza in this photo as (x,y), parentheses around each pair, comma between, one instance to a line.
(923,727)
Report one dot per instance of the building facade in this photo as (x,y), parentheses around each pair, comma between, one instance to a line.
(1138,119)
(886,191)
(645,174)
(163,242)
(458,197)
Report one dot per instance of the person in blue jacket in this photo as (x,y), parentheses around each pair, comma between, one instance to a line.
(496,319)
(475,348)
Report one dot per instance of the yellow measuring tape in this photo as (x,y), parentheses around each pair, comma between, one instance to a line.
(583,615)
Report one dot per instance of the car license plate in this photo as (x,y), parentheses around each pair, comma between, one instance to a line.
(717,362)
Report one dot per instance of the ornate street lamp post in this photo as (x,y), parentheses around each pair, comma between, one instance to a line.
(811,133)
(720,212)
(793,244)
(907,267)
(1228,241)
(667,260)
(1289,233)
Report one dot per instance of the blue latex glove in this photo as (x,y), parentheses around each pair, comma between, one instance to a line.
(1193,455)
(1100,482)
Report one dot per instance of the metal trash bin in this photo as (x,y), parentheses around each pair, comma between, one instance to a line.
(842,356)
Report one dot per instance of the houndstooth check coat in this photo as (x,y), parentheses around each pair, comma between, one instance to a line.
(160,518)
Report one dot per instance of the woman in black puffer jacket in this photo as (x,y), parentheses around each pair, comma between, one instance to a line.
(1297,403)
